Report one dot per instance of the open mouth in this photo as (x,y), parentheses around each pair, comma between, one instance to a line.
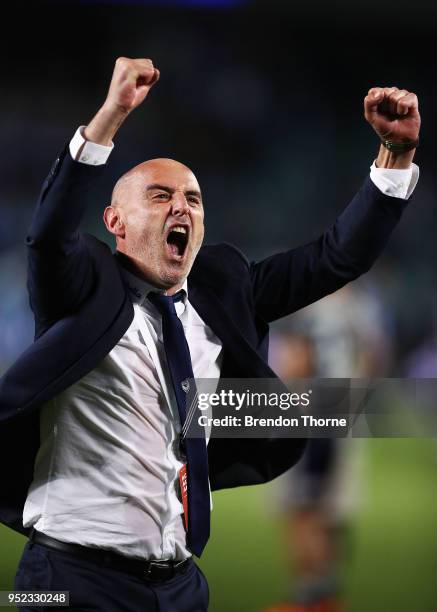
(177,240)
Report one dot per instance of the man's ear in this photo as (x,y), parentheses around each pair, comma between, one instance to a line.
(113,221)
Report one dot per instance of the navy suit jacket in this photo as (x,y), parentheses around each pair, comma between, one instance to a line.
(82,308)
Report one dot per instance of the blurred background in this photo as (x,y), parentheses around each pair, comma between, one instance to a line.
(263,100)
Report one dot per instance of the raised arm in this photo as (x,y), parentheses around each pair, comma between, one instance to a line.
(288,281)
(60,269)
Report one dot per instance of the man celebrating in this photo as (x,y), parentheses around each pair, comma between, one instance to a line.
(113,496)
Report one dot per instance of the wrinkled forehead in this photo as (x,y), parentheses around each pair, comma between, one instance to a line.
(162,172)
(167,172)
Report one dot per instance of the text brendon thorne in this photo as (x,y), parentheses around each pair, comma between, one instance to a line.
(304,420)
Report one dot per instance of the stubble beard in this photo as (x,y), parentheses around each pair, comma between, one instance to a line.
(155,267)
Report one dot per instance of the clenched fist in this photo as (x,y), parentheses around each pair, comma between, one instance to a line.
(131,81)
(393,113)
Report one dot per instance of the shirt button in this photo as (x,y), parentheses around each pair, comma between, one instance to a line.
(85,158)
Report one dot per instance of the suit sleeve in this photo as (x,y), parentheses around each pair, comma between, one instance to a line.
(286,282)
(60,268)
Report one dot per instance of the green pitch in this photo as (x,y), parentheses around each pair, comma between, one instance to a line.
(394,539)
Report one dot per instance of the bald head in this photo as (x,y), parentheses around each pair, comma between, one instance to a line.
(147,173)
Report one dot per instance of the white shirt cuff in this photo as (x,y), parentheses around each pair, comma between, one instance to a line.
(88,152)
(393,182)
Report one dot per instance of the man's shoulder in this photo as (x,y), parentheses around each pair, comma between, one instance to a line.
(94,242)
(221,265)
(222,254)
(100,251)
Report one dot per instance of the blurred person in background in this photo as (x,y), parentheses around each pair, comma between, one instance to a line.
(101,490)
(346,335)
(17,324)
(421,361)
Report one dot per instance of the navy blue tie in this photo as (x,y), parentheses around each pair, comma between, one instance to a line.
(181,370)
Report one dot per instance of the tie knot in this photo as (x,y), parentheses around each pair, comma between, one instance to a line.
(165,303)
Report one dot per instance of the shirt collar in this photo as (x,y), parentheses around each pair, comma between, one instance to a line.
(139,288)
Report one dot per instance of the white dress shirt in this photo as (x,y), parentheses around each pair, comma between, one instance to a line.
(107,472)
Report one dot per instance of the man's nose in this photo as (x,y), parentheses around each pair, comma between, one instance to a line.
(180,204)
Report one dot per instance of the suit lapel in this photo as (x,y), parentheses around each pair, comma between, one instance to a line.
(215,314)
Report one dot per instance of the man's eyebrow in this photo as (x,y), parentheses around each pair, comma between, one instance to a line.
(193,192)
(190,192)
(157,186)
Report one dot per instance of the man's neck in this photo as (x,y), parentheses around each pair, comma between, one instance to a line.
(129,264)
